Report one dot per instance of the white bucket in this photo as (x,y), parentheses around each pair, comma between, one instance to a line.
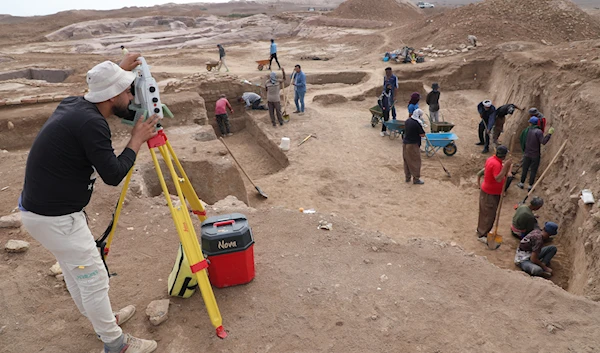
(587,196)
(285,144)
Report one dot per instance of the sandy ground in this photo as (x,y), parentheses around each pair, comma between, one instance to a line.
(401,270)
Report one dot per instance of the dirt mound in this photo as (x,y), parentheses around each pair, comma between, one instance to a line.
(328,99)
(380,10)
(494,21)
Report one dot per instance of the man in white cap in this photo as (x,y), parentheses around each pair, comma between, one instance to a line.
(72,147)
(486,111)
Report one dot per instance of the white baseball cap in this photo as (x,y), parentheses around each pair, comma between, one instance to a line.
(107,80)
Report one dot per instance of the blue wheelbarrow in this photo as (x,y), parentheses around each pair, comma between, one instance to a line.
(395,128)
(437,140)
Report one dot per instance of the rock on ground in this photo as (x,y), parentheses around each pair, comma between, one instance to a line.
(12,220)
(158,311)
(16,246)
(55,269)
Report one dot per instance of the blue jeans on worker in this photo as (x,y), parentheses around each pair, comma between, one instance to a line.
(546,254)
(299,100)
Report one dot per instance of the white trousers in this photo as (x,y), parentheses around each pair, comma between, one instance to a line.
(69,239)
(222,63)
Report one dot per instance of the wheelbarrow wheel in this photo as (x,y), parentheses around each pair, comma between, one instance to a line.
(450,149)
(260,67)
(374,121)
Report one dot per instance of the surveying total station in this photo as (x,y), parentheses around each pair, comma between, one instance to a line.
(147,103)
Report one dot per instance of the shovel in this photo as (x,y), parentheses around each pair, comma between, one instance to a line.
(284,115)
(246,174)
(439,159)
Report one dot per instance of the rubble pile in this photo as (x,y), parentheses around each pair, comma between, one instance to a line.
(377,10)
(494,21)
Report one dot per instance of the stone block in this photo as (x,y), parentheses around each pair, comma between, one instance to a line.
(15,246)
(12,220)
(158,311)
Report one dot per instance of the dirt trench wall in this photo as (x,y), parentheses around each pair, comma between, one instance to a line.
(565,95)
(263,141)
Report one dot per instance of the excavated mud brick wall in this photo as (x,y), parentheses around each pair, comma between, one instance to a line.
(26,120)
(558,90)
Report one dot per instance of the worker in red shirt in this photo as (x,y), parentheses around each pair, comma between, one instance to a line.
(221,107)
(496,170)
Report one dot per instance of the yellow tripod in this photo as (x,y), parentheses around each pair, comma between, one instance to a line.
(182,219)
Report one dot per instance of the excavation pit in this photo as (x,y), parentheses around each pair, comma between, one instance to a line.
(48,75)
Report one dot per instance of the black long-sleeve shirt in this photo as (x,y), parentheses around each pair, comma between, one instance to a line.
(72,146)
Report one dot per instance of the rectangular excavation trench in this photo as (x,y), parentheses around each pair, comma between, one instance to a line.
(576,267)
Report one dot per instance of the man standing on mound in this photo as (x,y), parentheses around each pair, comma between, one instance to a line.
(71,148)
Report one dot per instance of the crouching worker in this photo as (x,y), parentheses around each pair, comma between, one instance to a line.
(524,221)
(252,100)
(72,147)
(534,258)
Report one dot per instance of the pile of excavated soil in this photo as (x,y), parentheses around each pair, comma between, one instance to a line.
(379,10)
(494,21)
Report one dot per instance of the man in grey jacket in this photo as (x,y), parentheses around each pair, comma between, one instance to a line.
(273,86)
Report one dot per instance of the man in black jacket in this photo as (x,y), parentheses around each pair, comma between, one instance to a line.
(433,101)
(72,147)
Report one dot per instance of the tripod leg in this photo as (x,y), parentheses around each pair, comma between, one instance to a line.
(188,189)
(189,241)
(115,219)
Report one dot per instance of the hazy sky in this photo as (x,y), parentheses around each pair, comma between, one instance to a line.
(46,7)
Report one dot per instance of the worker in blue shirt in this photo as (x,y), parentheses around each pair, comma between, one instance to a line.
(299,82)
(273,54)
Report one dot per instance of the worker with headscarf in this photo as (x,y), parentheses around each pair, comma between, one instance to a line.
(273,87)
(411,148)
(413,104)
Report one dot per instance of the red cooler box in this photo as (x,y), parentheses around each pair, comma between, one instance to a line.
(228,244)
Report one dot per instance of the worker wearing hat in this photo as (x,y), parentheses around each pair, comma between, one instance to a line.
(534,112)
(531,140)
(497,168)
(71,149)
(532,256)
(486,111)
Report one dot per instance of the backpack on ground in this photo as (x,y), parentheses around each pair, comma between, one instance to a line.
(182,282)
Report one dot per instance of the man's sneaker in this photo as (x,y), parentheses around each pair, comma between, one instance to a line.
(485,150)
(479,144)
(296,112)
(408,179)
(520,185)
(529,188)
(134,345)
(124,314)
(483,239)
(382,134)
(230,134)
(418,182)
